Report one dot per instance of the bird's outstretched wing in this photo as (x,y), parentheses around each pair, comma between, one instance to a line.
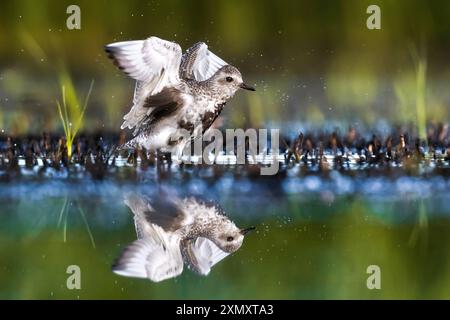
(199,63)
(157,257)
(201,255)
(158,211)
(153,62)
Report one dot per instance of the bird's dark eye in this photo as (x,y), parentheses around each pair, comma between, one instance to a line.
(229,79)
(229,239)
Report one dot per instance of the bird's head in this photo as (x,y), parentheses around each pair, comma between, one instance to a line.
(228,79)
(228,237)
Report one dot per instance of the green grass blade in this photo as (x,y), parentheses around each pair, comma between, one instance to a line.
(65,227)
(86,101)
(61,212)
(61,117)
(83,216)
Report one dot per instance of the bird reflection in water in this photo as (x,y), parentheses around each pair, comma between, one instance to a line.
(173,232)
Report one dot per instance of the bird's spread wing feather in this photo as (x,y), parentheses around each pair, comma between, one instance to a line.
(202,254)
(153,62)
(138,88)
(156,257)
(160,106)
(199,63)
(160,212)
(138,205)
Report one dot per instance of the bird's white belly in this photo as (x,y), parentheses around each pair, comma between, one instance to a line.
(158,138)
(169,130)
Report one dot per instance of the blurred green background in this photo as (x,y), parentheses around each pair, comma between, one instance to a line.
(304,248)
(312,61)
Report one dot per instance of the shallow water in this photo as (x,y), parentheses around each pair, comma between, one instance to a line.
(315,238)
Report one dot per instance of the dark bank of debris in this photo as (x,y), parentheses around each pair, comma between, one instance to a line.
(46,155)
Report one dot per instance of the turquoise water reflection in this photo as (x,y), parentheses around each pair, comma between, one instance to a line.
(312,241)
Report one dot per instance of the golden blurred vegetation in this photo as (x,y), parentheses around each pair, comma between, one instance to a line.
(312,61)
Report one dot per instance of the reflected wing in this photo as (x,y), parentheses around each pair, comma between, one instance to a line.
(199,63)
(138,205)
(202,254)
(153,62)
(156,257)
(160,212)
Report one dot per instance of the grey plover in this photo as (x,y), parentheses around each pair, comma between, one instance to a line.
(171,233)
(174,91)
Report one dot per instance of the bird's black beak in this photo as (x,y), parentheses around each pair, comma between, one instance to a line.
(247,230)
(246,87)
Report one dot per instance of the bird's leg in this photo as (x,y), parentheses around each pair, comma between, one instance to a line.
(168,156)
(162,156)
(178,155)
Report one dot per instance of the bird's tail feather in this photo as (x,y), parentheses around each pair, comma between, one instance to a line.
(129,145)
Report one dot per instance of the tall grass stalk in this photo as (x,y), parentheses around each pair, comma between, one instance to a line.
(83,216)
(420,63)
(421,85)
(71,113)
(1,118)
(420,230)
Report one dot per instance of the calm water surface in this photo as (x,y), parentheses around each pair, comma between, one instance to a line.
(315,238)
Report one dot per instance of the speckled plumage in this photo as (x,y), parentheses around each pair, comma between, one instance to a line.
(176,95)
(176,232)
